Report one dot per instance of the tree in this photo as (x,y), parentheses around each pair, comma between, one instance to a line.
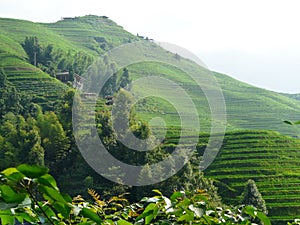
(37,154)
(9,97)
(125,80)
(33,49)
(54,139)
(110,86)
(3,79)
(252,196)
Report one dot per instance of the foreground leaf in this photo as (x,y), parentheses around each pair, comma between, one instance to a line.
(32,171)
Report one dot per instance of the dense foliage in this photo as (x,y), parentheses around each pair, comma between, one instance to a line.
(30,194)
(52,61)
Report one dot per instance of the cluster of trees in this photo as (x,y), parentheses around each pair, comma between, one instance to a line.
(52,60)
(38,140)
(9,98)
(114,84)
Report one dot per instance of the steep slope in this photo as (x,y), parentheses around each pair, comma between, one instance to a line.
(248,107)
(293,96)
(266,157)
(28,79)
(89,36)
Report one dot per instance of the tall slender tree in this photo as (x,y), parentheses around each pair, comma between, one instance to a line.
(252,196)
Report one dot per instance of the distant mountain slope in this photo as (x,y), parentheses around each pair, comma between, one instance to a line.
(293,96)
(28,79)
(248,107)
(88,35)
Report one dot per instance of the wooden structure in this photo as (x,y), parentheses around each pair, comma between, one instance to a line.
(63,76)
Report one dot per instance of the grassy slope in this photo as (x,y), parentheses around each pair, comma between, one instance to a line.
(82,31)
(266,157)
(248,107)
(293,96)
(76,35)
(27,78)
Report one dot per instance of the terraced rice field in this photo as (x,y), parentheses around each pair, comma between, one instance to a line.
(272,160)
(31,81)
(267,157)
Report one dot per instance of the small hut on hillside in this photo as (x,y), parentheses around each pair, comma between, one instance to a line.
(63,76)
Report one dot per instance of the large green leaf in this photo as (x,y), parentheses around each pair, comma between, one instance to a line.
(32,171)
(7,217)
(13,174)
(123,222)
(47,180)
(10,196)
(188,217)
(148,213)
(63,209)
(263,218)
(47,209)
(250,211)
(4,205)
(21,217)
(88,213)
(176,195)
(51,194)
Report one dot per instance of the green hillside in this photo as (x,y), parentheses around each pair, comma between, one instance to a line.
(268,157)
(94,34)
(248,107)
(271,160)
(28,79)
(89,36)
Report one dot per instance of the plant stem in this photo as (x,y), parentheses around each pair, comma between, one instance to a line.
(37,203)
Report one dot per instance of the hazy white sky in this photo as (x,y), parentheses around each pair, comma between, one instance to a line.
(256,41)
